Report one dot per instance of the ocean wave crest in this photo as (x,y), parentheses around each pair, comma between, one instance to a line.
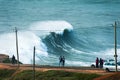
(51,26)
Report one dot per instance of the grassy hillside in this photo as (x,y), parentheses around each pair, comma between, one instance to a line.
(48,75)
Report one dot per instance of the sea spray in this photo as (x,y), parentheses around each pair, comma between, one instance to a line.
(26,41)
(51,26)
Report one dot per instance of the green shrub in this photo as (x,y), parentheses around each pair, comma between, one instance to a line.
(7,61)
(53,75)
(24,75)
(6,73)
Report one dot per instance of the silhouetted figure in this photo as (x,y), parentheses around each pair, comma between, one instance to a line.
(60,60)
(101,63)
(97,62)
(63,60)
(13,59)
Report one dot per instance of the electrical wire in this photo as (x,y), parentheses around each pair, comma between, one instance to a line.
(80,28)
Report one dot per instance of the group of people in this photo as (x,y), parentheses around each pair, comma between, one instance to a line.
(62,61)
(99,62)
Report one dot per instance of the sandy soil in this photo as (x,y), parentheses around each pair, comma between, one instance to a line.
(46,68)
(105,75)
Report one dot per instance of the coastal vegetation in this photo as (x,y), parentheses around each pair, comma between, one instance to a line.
(6,74)
(10,61)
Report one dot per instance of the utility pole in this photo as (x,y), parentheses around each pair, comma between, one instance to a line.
(115,38)
(34,63)
(17,47)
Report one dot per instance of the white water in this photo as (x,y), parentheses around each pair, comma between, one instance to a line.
(51,26)
(28,39)
(107,54)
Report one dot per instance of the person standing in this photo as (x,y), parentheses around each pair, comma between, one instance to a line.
(97,62)
(101,63)
(60,60)
(63,60)
(13,59)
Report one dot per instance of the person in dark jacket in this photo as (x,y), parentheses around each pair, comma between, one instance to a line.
(97,62)
(63,60)
(60,60)
(13,59)
(101,63)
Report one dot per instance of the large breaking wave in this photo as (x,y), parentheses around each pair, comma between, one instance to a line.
(57,38)
(33,37)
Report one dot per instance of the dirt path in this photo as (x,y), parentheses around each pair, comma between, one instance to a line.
(46,68)
(106,75)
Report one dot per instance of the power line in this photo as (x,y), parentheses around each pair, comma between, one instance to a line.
(96,27)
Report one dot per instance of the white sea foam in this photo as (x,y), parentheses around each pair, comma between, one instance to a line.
(27,40)
(77,63)
(107,54)
(51,26)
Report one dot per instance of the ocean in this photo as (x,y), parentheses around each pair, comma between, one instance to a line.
(79,30)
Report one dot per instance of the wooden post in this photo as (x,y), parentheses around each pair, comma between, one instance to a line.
(115,38)
(17,47)
(34,63)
